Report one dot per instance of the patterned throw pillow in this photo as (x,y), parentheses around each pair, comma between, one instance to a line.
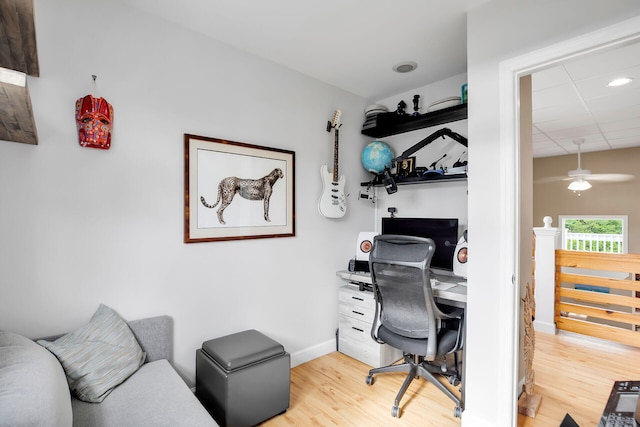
(98,356)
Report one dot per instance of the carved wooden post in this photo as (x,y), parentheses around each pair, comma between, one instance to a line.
(529,401)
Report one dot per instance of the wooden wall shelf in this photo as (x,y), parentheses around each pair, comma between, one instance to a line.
(387,124)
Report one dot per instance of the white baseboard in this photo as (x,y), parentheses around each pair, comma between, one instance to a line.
(549,328)
(302,356)
(469,419)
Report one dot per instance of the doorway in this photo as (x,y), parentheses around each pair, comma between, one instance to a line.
(518,94)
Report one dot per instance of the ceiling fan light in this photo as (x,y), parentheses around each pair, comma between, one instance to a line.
(579,185)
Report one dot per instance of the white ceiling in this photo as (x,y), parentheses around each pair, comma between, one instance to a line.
(572,101)
(353,44)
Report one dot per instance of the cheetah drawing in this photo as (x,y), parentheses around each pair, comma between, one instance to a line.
(250,189)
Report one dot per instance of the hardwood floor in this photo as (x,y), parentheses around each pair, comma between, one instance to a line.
(574,375)
(331,391)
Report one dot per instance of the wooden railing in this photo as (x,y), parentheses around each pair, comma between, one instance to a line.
(602,307)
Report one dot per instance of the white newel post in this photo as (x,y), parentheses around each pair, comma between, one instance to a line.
(545,270)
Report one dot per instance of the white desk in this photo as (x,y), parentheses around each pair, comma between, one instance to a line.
(455,295)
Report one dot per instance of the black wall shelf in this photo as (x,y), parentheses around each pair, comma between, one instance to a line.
(420,179)
(387,124)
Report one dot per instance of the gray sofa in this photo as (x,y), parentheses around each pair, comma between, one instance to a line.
(34,390)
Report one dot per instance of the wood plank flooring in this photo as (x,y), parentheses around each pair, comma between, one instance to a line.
(574,375)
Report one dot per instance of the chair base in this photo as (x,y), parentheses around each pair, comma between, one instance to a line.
(416,367)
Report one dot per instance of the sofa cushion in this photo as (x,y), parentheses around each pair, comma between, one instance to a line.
(154,396)
(98,356)
(33,387)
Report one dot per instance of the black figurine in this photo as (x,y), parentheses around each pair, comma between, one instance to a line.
(416,100)
(401,106)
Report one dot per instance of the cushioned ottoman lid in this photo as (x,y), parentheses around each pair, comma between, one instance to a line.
(241,349)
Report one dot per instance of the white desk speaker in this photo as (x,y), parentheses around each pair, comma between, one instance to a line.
(460,257)
(365,242)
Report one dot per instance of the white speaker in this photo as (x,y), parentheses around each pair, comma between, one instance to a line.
(460,257)
(365,242)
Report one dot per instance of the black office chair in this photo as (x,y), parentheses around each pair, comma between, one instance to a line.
(408,318)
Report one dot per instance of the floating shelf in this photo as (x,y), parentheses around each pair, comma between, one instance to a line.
(420,179)
(387,124)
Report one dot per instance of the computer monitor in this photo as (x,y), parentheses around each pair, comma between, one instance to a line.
(443,231)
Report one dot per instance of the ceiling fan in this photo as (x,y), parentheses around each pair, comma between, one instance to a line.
(580,178)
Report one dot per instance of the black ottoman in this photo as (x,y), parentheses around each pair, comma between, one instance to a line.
(243,379)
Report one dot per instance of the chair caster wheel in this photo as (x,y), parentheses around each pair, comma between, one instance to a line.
(454,381)
(369,379)
(457,412)
(395,412)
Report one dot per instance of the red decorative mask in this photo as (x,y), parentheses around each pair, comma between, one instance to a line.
(94,119)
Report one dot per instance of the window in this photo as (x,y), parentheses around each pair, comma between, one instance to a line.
(594,233)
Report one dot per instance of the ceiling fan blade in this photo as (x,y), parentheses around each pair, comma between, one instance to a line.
(549,179)
(610,177)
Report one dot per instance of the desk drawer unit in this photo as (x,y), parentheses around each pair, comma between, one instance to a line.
(356,312)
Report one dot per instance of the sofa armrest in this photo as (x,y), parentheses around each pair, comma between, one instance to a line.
(155,335)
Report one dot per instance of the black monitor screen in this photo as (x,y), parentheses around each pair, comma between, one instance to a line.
(443,231)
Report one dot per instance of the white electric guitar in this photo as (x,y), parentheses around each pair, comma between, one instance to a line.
(333,203)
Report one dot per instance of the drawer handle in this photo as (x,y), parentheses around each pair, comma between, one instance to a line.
(357,329)
(359,299)
(357,312)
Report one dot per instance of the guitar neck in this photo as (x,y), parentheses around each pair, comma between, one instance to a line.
(336,175)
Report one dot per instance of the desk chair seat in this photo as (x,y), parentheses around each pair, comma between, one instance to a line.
(408,318)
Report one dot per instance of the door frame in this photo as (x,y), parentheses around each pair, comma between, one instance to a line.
(510,72)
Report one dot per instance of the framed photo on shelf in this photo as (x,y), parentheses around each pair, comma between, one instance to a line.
(235,190)
(406,167)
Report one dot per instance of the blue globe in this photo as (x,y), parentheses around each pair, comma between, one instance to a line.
(377,156)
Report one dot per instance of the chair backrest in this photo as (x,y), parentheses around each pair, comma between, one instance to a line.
(401,282)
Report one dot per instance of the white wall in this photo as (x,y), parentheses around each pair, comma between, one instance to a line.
(497,32)
(80,226)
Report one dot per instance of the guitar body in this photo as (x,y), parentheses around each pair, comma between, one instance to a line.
(333,203)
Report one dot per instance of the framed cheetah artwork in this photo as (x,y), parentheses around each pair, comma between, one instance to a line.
(234,190)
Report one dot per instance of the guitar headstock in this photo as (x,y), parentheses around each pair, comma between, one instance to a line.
(335,122)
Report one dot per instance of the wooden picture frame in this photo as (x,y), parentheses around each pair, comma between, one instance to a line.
(240,177)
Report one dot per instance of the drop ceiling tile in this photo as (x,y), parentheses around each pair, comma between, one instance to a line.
(591,143)
(539,137)
(622,133)
(572,101)
(575,121)
(604,112)
(625,142)
(550,151)
(551,77)
(618,125)
(560,112)
(573,132)
(596,87)
(548,145)
(607,61)
(564,94)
